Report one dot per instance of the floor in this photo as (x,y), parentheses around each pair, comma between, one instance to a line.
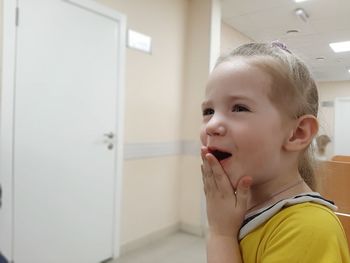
(177,248)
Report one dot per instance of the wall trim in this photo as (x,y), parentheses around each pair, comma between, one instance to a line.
(151,237)
(161,149)
(161,233)
(196,230)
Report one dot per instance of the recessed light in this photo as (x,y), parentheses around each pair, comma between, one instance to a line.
(320,58)
(301,13)
(340,46)
(298,1)
(349,70)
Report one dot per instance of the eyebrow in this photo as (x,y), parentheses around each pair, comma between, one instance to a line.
(230,98)
(240,97)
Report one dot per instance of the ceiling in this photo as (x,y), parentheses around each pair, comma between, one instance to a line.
(268,20)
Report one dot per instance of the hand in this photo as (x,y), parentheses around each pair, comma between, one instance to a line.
(226,206)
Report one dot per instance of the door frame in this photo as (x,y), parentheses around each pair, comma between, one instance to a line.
(7,114)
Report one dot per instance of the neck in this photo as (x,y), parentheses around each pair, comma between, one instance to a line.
(262,199)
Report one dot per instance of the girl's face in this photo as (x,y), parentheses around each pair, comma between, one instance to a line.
(241,126)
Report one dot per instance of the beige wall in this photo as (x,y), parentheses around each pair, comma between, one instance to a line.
(154,81)
(196,70)
(202,46)
(231,38)
(150,199)
(328,91)
(189,61)
(152,114)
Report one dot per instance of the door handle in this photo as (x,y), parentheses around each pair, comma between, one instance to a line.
(109,135)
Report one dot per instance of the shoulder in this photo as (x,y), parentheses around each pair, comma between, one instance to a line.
(307,217)
(309,213)
(311,230)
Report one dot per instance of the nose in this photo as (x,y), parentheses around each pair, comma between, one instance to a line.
(215,126)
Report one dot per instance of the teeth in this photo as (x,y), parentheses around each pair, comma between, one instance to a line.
(221,155)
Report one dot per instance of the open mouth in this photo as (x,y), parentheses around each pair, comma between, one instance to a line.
(220,155)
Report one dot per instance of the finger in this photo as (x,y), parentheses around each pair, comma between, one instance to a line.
(204,151)
(203,160)
(203,178)
(206,174)
(222,181)
(202,170)
(209,180)
(207,169)
(206,186)
(243,192)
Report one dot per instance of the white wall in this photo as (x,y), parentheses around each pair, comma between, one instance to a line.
(1,24)
(328,91)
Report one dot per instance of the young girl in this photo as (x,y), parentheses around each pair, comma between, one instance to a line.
(259,118)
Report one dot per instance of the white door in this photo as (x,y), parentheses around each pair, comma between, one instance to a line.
(342,126)
(65,118)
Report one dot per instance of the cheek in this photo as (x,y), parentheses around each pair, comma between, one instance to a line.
(263,150)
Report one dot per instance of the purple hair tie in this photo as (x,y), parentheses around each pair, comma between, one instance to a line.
(280,45)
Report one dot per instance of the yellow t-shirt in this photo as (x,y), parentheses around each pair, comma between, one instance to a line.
(303,233)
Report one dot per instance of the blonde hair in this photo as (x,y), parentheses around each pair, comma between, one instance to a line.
(293,89)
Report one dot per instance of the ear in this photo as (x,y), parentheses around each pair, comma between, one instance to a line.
(302,134)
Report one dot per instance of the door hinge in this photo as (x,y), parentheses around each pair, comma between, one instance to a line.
(17,16)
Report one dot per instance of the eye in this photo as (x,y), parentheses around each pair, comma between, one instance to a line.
(208,111)
(239,108)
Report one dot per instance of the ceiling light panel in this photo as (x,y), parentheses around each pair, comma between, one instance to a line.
(340,46)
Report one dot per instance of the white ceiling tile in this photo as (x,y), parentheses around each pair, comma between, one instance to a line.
(270,19)
(331,24)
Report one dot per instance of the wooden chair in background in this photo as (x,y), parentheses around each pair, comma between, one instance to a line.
(341,158)
(333,180)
